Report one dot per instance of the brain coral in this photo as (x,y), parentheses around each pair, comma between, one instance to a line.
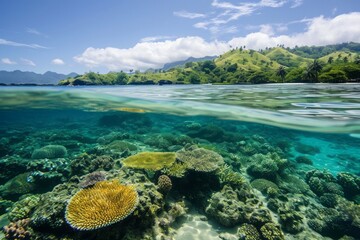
(49,151)
(105,203)
(150,160)
(200,159)
(164,183)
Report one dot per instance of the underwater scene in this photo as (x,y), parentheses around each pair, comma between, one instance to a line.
(202,162)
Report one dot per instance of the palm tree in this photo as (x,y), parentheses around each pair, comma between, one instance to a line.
(313,69)
(281,72)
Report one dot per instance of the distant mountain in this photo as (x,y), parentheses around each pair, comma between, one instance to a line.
(168,66)
(19,77)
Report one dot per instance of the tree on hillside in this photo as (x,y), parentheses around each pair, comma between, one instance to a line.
(330,60)
(121,78)
(313,70)
(208,66)
(232,68)
(281,72)
(194,78)
(357,60)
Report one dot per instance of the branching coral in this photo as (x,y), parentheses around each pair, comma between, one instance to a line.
(17,230)
(150,160)
(105,203)
(23,208)
(176,170)
(228,176)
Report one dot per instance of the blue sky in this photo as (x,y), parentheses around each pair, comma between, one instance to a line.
(111,35)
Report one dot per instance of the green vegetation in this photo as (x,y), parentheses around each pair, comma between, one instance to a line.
(333,63)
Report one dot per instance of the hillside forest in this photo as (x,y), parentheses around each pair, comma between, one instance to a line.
(328,64)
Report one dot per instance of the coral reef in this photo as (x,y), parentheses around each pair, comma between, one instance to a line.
(336,222)
(228,176)
(350,184)
(49,215)
(252,181)
(87,163)
(49,151)
(23,208)
(164,184)
(92,178)
(168,141)
(17,230)
(209,132)
(266,166)
(248,232)
(270,231)
(230,207)
(199,159)
(264,185)
(103,204)
(121,146)
(150,160)
(322,182)
(177,169)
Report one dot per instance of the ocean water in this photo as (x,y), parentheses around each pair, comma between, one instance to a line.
(302,138)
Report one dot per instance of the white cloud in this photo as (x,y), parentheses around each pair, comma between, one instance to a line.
(227,12)
(190,15)
(7,61)
(28,62)
(267,29)
(145,55)
(272,3)
(156,38)
(16,44)
(297,3)
(320,31)
(150,54)
(57,61)
(35,32)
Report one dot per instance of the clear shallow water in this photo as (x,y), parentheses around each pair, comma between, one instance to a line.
(315,107)
(318,123)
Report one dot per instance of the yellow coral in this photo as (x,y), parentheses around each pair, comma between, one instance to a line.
(107,202)
(134,110)
(150,160)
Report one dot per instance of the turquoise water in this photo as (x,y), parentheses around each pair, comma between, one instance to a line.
(300,137)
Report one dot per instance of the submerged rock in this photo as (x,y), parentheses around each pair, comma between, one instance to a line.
(17,186)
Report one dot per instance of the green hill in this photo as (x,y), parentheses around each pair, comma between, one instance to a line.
(286,58)
(246,60)
(246,66)
(340,57)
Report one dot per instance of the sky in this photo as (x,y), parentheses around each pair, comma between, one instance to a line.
(113,35)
